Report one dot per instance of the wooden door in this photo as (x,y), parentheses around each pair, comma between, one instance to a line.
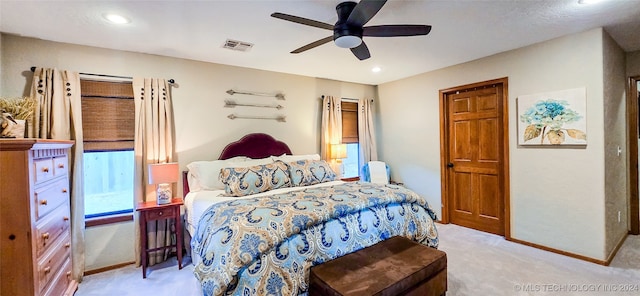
(475,157)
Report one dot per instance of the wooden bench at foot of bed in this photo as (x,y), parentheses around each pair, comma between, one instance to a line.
(396,266)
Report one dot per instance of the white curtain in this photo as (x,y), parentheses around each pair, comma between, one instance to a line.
(366,132)
(331,126)
(154,143)
(58,115)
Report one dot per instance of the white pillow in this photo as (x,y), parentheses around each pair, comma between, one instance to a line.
(249,162)
(203,175)
(292,158)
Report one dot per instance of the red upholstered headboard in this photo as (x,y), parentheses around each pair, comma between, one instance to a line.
(254,146)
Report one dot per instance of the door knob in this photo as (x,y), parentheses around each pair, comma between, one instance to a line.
(450,165)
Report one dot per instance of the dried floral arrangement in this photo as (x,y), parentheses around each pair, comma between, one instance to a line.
(20,108)
(16,113)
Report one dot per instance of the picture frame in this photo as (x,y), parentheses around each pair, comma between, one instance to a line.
(552,119)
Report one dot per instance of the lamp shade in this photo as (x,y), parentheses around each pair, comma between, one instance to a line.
(338,151)
(163,173)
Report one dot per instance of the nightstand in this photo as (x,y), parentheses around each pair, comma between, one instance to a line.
(151,211)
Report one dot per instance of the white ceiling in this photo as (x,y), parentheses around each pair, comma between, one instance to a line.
(463,30)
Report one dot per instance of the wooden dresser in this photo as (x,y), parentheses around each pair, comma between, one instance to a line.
(35,230)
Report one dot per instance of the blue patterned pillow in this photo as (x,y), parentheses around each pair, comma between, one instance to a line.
(242,181)
(308,172)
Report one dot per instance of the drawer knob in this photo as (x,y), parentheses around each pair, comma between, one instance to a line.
(43,202)
(69,275)
(47,270)
(64,190)
(65,218)
(45,235)
(160,213)
(67,245)
(61,166)
(45,169)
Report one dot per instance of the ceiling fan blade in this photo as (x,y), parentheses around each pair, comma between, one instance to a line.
(301,20)
(364,11)
(313,44)
(361,51)
(396,30)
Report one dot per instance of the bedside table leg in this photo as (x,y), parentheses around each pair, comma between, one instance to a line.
(179,238)
(143,244)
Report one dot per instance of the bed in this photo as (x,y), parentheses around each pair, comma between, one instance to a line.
(261,237)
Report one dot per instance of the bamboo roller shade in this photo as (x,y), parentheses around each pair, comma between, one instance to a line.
(349,122)
(108,115)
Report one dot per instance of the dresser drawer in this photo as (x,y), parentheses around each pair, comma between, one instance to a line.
(51,227)
(51,196)
(60,166)
(50,263)
(162,213)
(43,169)
(60,283)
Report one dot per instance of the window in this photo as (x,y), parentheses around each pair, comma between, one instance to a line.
(108,114)
(351,164)
(108,183)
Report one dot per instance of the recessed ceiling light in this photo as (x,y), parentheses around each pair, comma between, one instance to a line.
(376,69)
(116,18)
(588,1)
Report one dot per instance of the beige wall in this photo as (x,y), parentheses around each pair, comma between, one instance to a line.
(557,195)
(108,245)
(1,64)
(202,126)
(616,196)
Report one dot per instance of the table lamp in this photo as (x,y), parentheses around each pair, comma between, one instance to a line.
(338,152)
(163,174)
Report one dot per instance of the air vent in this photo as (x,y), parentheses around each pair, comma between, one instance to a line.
(237,45)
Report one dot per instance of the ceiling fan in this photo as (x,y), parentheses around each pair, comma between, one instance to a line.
(349,29)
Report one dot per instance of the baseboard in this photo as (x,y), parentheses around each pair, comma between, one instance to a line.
(616,249)
(103,269)
(565,253)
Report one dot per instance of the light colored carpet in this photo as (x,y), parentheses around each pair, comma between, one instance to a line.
(478,264)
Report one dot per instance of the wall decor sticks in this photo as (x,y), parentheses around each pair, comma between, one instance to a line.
(233,104)
(278,96)
(278,118)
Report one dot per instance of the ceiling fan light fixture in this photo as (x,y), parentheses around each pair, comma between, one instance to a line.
(348,41)
(588,1)
(116,18)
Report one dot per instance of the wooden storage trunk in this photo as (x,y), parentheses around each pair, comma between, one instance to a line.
(396,266)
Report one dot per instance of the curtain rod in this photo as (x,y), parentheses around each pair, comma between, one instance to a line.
(33,69)
(347,99)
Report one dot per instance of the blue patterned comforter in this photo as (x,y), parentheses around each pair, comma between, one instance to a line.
(266,245)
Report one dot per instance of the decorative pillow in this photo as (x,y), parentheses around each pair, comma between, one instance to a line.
(292,158)
(308,172)
(242,181)
(203,175)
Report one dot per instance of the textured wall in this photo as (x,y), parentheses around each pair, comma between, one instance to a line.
(616,197)
(557,195)
(633,63)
